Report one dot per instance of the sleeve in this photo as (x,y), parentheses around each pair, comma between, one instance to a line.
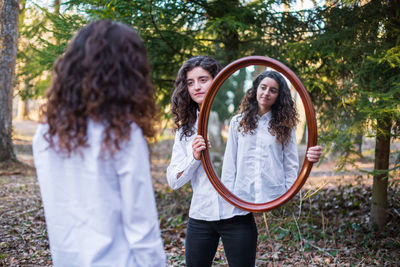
(181,161)
(139,214)
(290,161)
(229,167)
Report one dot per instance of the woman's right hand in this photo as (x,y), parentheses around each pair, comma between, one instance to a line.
(198,145)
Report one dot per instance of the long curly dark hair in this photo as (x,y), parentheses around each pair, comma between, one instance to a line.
(284,114)
(184,109)
(103,76)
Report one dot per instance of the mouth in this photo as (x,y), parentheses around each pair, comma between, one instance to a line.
(198,94)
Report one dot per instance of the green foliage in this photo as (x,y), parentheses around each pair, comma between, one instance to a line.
(347,54)
(172,31)
(351,68)
(43,37)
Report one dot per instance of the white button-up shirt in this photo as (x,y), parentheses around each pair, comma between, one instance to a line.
(99,212)
(206,204)
(257,168)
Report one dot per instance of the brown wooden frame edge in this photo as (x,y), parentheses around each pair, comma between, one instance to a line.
(203,124)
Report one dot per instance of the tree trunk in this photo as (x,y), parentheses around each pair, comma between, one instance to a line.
(379,187)
(228,36)
(23,103)
(23,109)
(57,4)
(358,143)
(8,51)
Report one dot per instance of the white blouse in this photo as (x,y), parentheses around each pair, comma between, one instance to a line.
(257,168)
(99,212)
(206,204)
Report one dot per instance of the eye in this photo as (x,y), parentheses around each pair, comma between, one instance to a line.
(189,83)
(274,90)
(203,80)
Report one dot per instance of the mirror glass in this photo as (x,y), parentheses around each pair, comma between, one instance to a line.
(254,179)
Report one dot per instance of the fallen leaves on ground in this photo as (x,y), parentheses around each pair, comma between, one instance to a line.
(328,228)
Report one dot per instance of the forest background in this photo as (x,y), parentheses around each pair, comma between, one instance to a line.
(347,54)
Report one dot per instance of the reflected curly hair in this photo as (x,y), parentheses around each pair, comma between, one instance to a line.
(184,109)
(102,76)
(283,111)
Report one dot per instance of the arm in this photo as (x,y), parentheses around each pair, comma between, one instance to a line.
(229,167)
(138,207)
(290,161)
(183,165)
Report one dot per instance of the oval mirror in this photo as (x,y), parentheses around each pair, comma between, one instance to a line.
(250,182)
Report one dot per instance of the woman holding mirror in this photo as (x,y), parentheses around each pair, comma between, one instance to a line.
(261,159)
(209,217)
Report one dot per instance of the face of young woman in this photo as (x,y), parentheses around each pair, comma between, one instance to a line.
(198,82)
(267,92)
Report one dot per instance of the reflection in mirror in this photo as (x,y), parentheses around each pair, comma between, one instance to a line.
(250,185)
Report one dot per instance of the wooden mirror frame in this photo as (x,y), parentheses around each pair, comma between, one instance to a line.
(203,127)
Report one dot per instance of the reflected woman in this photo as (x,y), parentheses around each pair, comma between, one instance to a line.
(261,150)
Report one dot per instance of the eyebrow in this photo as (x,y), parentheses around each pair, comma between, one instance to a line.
(270,86)
(200,77)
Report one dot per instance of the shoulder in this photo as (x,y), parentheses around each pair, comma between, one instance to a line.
(135,145)
(135,129)
(39,142)
(181,137)
(236,119)
(42,128)
(136,134)
(40,132)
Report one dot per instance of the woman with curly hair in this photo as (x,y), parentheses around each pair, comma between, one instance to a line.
(207,221)
(261,159)
(210,216)
(91,155)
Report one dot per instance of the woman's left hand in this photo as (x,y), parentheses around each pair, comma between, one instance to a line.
(314,153)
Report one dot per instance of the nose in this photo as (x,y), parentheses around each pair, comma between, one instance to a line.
(267,91)
(197,85)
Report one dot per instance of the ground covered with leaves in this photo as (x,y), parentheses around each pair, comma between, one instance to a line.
(326,224)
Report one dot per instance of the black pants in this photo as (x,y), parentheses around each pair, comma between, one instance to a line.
(239,236)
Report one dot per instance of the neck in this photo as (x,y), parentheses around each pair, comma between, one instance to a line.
(262,111)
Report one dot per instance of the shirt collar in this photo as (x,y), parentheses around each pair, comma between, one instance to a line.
(266,116)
